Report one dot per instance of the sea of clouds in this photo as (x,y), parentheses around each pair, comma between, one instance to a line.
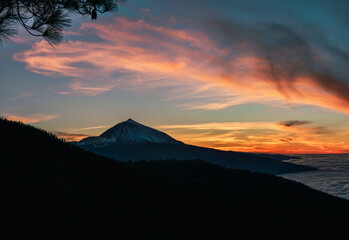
(331,177)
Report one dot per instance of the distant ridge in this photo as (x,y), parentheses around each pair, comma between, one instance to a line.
(132,141)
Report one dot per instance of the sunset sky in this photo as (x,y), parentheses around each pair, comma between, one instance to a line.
(257,76)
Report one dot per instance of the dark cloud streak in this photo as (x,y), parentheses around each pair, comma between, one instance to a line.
(288,55)
(293,123)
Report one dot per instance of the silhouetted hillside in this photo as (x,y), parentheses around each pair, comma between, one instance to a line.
(52,187)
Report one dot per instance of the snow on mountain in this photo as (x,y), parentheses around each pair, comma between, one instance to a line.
(132,141)
(129,132)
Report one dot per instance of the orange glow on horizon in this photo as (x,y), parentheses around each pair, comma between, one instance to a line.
(263,137)
(268,148)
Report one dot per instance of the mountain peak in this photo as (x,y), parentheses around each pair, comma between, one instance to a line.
(129,132)
(130,120)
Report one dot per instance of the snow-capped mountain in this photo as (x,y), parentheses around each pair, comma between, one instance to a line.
(129,132)
(132,141)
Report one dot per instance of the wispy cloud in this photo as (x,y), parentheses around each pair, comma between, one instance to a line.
(20,96)
(30,118)
(70,137)
(265,63)
(226,126)
(91,128)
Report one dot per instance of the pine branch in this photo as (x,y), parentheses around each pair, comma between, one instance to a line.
(47,18)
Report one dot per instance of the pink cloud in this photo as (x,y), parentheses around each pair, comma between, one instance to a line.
(31,118)
(137,55)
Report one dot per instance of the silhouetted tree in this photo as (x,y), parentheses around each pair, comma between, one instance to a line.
(47,18)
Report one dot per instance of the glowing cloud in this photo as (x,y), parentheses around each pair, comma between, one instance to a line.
(70,136)
(287,137)
(266,64)
(91,128)
(31,118)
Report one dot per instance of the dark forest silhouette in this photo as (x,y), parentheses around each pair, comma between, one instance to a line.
(52,187)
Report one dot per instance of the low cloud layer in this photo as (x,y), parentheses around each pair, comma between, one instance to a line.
(331,178)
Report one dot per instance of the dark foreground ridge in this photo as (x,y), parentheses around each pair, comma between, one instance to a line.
(132,141)
(52,187)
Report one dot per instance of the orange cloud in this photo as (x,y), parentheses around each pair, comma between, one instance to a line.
(136,55)
(70,137)
(92,128)
(31,118)
(271,137)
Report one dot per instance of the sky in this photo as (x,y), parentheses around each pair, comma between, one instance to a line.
(258,76)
